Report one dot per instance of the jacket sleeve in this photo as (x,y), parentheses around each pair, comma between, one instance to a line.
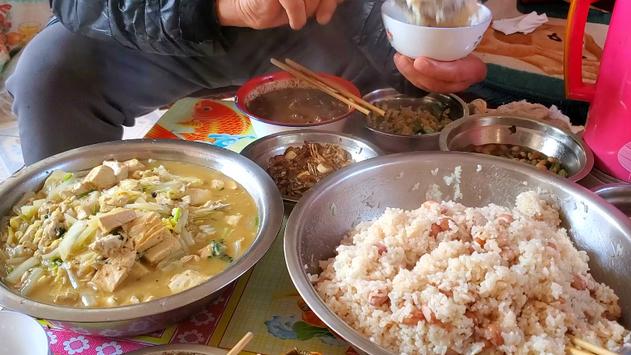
(169,27)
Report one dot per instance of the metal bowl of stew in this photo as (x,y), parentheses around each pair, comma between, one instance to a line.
(480,130)
(436,104)
(262,150)
(154,315)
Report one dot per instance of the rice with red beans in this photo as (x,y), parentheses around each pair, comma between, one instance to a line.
(446,278)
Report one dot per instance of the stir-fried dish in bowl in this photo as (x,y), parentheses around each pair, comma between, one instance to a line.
(125,233)
(299,168)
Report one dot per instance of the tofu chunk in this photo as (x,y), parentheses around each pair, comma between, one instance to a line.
(115,218)
(147,231)
(130,185)
(100,177)
(166,248)
(114,272)
(217,184)
(81,188)
(67,296)
(138,270)
(108,245)
(233,220)
(187,279)
(134,165)
(121,171)
(199,196)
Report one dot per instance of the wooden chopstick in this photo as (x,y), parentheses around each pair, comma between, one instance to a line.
(595,349)
(575,351)
(335,86)
(323,87)
(241,344)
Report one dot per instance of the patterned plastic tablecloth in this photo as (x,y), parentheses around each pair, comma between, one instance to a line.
(263,301)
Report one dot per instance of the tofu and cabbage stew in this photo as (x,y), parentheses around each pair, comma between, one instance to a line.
(125,233)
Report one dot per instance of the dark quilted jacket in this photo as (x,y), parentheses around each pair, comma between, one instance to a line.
(190,28)
(172,27)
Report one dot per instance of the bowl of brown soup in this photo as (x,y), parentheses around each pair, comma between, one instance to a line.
(279,102)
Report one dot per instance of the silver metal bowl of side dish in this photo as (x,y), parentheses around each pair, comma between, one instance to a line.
(480,130)
(262,150)
(157,314)
(436,104)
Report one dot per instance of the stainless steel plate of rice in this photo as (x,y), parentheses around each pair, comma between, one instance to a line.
(519,263)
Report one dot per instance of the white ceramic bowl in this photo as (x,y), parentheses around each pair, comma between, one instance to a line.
(440,43)
(274,81)
(21,334)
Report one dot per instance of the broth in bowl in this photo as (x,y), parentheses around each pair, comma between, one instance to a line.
(125,233)
(297,105)
(279,102)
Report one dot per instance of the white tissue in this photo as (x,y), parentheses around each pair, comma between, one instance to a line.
(524,24)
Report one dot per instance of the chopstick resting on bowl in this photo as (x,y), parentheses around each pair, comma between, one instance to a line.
(325,87)
(241,344)
(582,347)
(336,87)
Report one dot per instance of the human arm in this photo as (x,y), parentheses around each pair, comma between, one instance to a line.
(183,27)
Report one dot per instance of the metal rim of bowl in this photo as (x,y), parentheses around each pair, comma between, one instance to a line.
(249,150)
(279,76)
(465,114)
(272,218)
(305,287)
(579,175)
(613,194)
(614,186)
(606,178)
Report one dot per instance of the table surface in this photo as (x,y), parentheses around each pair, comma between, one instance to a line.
(263,301)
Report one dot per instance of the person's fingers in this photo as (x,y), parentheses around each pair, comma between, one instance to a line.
(311,7)
(325,11)
(406,67)
(296,12)
(442,87)
(470,69)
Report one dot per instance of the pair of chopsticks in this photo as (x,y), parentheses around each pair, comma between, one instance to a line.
(241,344)
(582,347)
(305,74)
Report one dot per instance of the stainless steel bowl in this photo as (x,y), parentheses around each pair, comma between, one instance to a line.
(434,103)
(363,191)
(618,195)
(605,178)
(547,139)
(150,316)
(260,151)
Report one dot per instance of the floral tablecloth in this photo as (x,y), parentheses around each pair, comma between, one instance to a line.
(263,301)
